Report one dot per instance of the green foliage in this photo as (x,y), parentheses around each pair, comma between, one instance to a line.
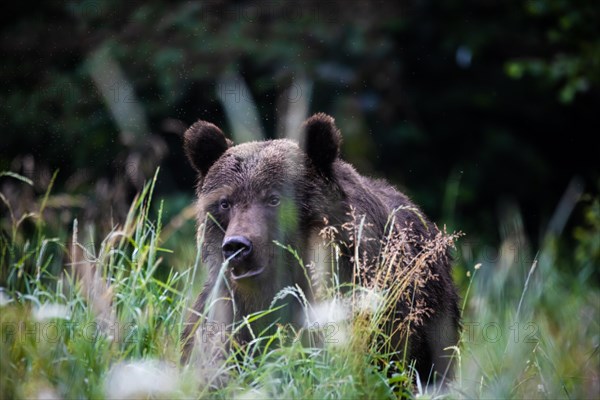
(418,93)
(28,258)
(575,67)
(587,252)
(107,314)
(531,324)
(530,329)
(57,338)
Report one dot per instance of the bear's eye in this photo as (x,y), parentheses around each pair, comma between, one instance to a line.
(274,201)
(224,204)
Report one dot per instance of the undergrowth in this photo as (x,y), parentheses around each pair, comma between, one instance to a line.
(83,317)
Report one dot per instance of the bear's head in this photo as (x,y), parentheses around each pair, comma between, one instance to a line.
(256,198)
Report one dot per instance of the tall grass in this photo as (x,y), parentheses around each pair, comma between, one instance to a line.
(122,312)
(531,325)
(88,318)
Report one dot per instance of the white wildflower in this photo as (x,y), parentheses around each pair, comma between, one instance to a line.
(369,301)
(252,394)
(331,311)
(4,298)
(51,311)
(140,379)
(331,319)
(47,394)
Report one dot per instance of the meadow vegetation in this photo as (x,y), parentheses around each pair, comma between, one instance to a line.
(87,317)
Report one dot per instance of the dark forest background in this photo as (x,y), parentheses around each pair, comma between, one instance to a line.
(476,109)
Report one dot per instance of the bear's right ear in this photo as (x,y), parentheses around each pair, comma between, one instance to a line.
(203,144)
(322,140)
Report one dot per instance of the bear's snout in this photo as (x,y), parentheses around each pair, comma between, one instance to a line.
(237,248)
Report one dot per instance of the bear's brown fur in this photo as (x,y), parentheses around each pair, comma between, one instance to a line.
(253,194)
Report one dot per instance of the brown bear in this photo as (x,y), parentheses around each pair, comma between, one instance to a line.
(255,194)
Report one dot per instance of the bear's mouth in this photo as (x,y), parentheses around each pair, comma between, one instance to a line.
(244,271)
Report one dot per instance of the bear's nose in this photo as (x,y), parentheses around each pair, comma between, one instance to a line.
(241,246)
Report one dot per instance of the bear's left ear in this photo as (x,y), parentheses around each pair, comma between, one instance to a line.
(204,143)
(322,140)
